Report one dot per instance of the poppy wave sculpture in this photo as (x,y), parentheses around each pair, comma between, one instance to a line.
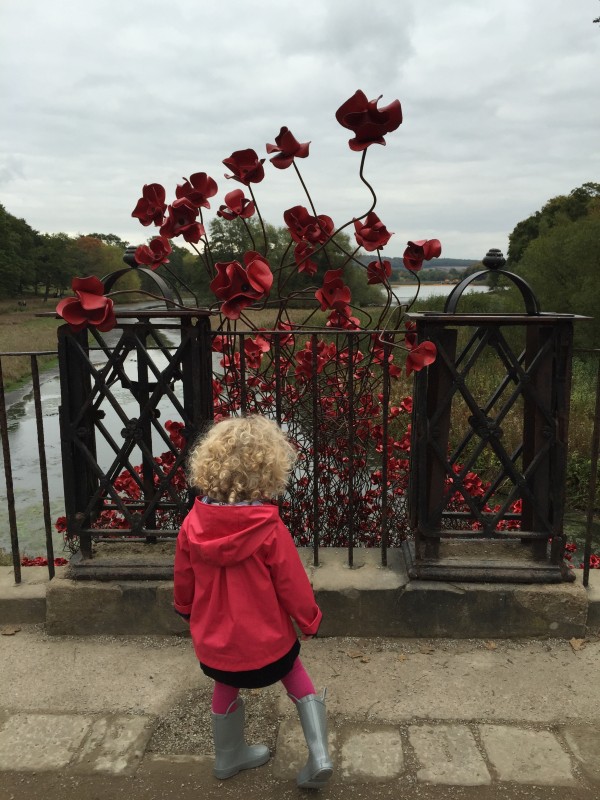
(334,372)
(315,241)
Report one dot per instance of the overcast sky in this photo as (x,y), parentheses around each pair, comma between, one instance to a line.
(501,105)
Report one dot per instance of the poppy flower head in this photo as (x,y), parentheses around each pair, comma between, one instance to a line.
(334,293)
(420,356)
(379,271)
(305,263)
(246,166)
(181,221)
(197,189)
(305,228)
(286,148)
(89,307)
(372,233)
(240,286)
(236,205)
(151,206)
(155,253)
(369,123)
(419,251)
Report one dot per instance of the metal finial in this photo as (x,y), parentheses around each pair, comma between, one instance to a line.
(494,259)
(129,256)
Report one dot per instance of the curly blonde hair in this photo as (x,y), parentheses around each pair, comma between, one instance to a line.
(241,458)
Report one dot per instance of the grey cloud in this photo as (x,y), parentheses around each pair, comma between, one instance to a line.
(501,107)
(11,168)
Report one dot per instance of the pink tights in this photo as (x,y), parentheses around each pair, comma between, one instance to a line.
(297,683)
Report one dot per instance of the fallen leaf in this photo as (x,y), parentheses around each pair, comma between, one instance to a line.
(426,649)
(577,644)
(9,630)
(491,645)
(355,654)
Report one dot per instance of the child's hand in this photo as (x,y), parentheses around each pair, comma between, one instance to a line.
(306,637)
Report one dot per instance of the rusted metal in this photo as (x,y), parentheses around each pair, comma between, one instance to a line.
(39,421)
(87,395)
(385,404)
(351,450)
(535,386)
(591,500)
(198,404)
(315,448)
(10,493)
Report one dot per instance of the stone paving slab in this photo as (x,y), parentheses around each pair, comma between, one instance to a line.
(41,741)
(527,756)
(115,745)
(374,755)
(584,743)
(460,754)
(78,743)
(448,754)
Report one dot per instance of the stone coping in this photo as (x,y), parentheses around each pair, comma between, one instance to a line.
(366,600)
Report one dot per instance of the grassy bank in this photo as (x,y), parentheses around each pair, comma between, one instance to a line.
(21,331)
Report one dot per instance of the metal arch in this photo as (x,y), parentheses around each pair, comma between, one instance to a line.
(169,293)
(531,302)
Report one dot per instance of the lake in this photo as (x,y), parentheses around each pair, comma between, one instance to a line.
(406,291)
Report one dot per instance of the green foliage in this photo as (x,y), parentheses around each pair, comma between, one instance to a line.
(557,211)
(30,261)
(562,267)
(557,251)
(18,245)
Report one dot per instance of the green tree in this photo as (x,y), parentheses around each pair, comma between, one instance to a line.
(18,246)
(110,239)
(557,210)
(562,267)
(55,263)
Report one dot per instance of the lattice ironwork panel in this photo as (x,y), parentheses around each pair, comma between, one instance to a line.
(489,441)
(131,400)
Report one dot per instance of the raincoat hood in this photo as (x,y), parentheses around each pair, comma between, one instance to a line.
(224,535)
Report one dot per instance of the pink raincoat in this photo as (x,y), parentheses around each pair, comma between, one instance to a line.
(238,574)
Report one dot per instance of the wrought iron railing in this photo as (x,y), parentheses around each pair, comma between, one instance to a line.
(124,471)
(333,499)
(43,470)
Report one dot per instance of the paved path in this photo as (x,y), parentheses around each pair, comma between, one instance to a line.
(109,717)
(420,753)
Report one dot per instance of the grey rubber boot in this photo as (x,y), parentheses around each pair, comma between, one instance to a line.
(232,754)
(313,718)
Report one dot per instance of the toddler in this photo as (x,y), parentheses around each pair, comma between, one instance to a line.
(240,582)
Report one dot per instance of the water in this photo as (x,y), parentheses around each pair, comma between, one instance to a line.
(22,433)
(406,291)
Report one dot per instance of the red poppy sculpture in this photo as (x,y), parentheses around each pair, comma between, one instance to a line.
(88,307)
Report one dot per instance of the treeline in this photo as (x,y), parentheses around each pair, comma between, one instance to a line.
(44,264)
(557,251)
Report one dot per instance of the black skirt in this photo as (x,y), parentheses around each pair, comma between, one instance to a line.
(256,678)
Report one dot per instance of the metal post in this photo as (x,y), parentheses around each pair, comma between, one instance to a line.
(587,552)
(10,494)
(315,443)
(35,378)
